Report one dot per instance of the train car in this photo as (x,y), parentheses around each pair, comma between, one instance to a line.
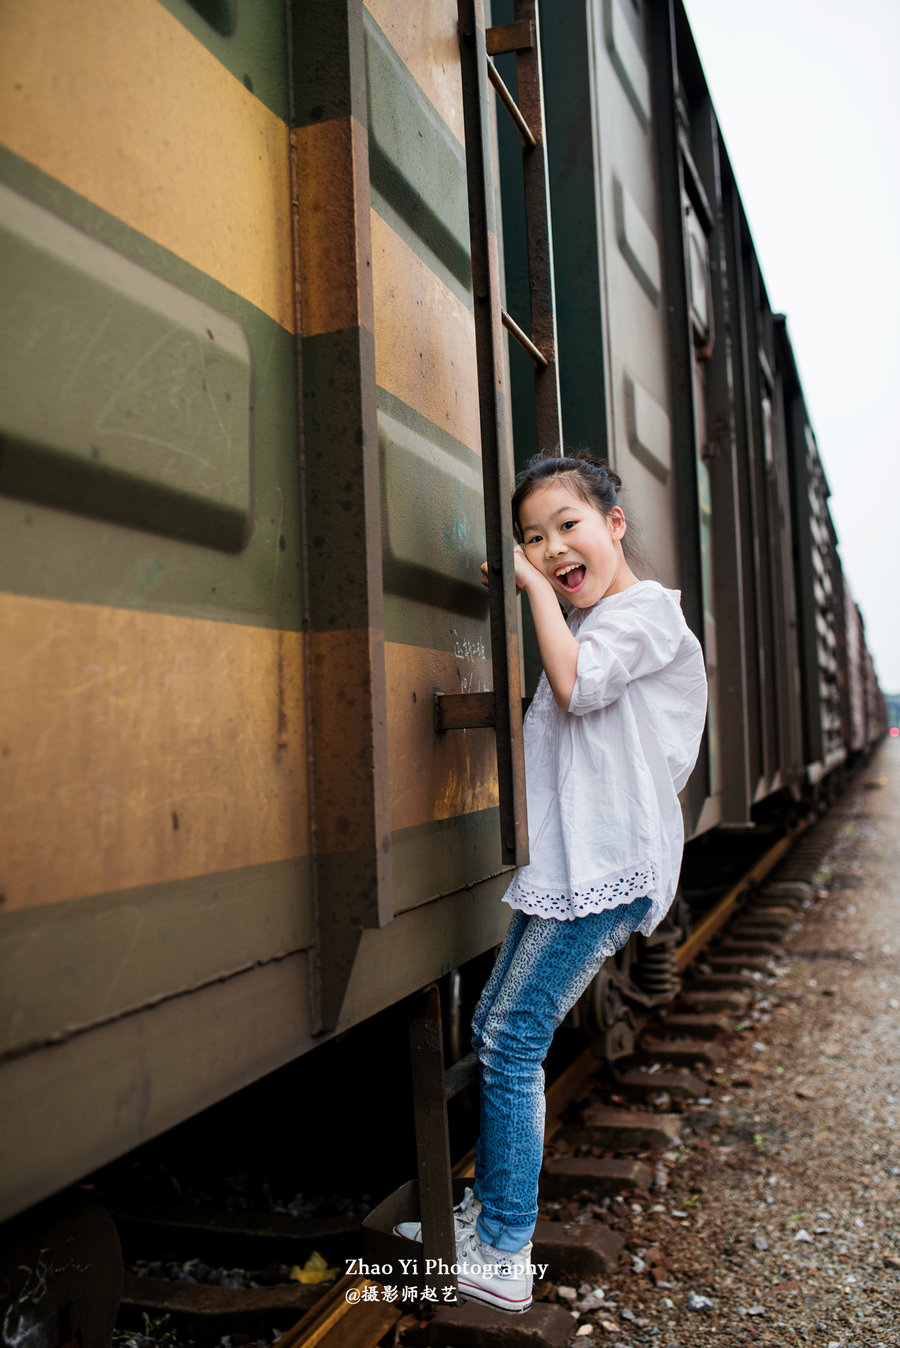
(855,718)
(261,755)
(820,587)
(673,363)
(865,718)
(241,529)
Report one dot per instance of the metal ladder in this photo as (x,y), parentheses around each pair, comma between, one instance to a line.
(522,37)
(502,709)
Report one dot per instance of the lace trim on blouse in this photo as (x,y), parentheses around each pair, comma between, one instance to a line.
(612,893)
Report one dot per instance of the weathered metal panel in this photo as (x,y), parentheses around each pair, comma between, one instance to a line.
(745,481)
(423,943)
(424,354)
(144,748)
(122,397)
(635,292)
(637,242)
(628,58)
(767,540)
(627,360)
(785,654)
(417,164)
(855,674)
(496,439)
(163,1063)
(188,156)
(649,428)
(443,855)
(94,1096)
(434,521)
(686,221)
(247,40)
(69,967)
(582,334)
(259,585)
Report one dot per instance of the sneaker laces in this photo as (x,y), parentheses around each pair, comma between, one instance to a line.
(469,1244)
(466,1211)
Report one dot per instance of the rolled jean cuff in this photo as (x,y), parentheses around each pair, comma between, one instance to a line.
(494,1232)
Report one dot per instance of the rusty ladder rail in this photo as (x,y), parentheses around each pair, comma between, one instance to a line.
(523,38)
(478,47)
(432,1089)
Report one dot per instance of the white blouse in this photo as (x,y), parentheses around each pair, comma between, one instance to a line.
(602,777)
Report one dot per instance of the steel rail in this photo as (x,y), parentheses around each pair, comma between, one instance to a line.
(322,1326)
(716,918)
(560,1092)
(313,1330)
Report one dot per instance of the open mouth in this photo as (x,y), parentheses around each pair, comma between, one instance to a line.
(571,577)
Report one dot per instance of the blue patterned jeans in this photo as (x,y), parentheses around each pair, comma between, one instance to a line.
(542,969)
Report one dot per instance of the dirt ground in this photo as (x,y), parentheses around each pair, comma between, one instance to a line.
(777,1219)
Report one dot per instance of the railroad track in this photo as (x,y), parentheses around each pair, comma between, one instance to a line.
(734,941)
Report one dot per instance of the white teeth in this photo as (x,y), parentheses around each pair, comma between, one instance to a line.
(564,570)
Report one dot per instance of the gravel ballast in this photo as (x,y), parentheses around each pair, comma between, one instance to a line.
(777,1218)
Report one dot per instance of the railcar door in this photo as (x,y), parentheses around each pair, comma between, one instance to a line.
(437,857)
(629,374)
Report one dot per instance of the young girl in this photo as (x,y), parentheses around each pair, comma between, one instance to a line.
(611,737)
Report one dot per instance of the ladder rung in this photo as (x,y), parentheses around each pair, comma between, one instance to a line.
(510,104)
(506,37)
(464,711)
(524,340)
(468,711)
(460,1075)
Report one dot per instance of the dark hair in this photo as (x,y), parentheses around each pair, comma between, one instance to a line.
(591,479)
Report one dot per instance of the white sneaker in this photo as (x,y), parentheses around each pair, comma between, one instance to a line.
(465,1215)
(497,1279)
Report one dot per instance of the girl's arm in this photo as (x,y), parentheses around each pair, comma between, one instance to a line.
(558,648)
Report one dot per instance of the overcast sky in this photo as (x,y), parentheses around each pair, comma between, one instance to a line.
(808,98)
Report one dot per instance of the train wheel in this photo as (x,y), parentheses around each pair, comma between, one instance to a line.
(610,1018)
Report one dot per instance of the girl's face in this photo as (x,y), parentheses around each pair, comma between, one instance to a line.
(572,543)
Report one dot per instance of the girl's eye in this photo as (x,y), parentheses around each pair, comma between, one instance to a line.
(569,524)
(536,538)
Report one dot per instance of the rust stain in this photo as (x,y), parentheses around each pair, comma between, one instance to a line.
(333,238)
(139,749)
(435,775)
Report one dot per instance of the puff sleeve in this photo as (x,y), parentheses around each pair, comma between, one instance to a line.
(614,649)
